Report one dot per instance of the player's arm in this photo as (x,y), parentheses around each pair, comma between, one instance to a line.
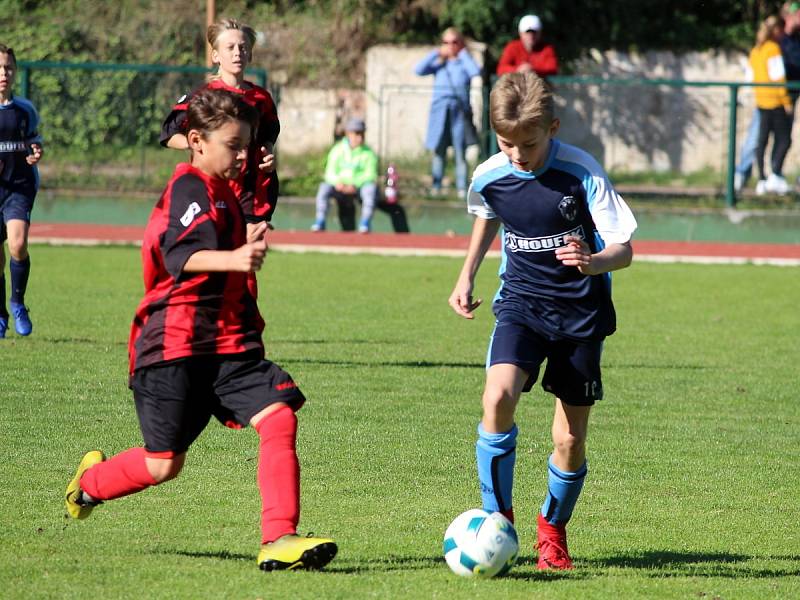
(578,254)
(246,258)
(178,142)
(483,232)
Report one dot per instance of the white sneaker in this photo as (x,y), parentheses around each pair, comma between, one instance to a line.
(761,187)
(777,184)
(318,226)
(738,181)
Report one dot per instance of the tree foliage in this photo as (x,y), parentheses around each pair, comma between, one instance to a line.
(319,43)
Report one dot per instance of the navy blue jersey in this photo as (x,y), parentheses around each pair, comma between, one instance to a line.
(19,124)
(569,195)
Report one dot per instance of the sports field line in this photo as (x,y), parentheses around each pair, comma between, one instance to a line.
(388,244)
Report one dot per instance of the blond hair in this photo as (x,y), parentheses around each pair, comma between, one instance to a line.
(217,29)
(520,101)
(454,31)
(768,28)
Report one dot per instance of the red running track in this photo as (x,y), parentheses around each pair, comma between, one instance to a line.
(414,244)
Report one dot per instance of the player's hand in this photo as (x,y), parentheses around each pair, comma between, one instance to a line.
(256,231)
(576,254)
(249,257)
(268,161)
(524,68)
(36,154)
(462,302)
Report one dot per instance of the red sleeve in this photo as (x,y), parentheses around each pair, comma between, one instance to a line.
(545,62)
(508,61)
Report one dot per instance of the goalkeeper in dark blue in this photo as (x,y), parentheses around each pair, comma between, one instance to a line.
(564,228)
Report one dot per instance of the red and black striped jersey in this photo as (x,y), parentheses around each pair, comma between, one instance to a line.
(257,191)
(192,314)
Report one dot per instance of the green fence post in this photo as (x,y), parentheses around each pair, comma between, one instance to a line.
(730,193)
(24,82)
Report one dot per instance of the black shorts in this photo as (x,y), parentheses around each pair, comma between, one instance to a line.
(176,400)
(573,368)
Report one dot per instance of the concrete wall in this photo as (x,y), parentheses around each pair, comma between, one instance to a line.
(627,127)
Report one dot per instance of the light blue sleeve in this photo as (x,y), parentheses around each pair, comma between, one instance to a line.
(429,65)
(470,66)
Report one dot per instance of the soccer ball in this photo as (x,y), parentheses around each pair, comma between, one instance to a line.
(480,544)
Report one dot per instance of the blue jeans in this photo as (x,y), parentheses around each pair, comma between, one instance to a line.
(437,167)
(748,151)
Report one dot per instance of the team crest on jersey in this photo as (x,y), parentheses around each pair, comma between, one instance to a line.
(517,243)
(188,216)
(568,208)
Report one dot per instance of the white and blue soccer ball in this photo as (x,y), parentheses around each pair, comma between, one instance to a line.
(480,544)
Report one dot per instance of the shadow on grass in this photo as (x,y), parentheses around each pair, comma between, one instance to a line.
(666,563)
(221,555)
(372,565)
(385,564)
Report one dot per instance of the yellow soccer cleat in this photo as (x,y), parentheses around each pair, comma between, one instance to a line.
(295,552)
(76,507)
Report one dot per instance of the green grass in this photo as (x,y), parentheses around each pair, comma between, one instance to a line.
(692,488)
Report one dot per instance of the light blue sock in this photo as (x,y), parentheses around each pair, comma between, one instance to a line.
(496,454)
(563,489)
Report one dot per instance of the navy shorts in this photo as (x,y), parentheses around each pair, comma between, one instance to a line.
(15,206)
(176,400)
(573,368)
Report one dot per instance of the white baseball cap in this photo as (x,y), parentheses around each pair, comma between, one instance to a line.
(530,22)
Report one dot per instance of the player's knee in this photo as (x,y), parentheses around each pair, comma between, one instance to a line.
(18,248)
(498,400)
(165,469)
(570,443)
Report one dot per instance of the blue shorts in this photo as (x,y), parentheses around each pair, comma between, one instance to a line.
(573,368)
(15,206)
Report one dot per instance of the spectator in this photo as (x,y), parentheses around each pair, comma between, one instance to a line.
(351,172)
(450,120)
(773,103)
(529,52)
(790,51)
(790,45)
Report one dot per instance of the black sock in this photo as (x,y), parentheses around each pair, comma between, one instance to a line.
(19,279)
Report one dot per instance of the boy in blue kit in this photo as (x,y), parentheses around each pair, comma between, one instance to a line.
(564,230)
(20,150)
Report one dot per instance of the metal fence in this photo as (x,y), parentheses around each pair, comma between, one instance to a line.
(96,113)
(688,131)
(99,113)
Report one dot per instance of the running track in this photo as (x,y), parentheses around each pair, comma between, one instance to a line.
(427,245)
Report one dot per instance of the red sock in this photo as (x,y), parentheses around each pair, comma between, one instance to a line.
(120,475)
(278,474)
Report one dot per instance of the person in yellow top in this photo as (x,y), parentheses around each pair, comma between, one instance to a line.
(773,103)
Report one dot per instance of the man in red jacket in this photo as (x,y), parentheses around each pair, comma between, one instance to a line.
(529,52)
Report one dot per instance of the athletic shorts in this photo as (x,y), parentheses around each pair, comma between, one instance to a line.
(176,400)
(15,206)
(573,368)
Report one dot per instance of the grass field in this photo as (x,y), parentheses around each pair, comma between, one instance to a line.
(693,479)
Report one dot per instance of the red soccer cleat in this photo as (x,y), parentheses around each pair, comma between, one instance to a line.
(552,545)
